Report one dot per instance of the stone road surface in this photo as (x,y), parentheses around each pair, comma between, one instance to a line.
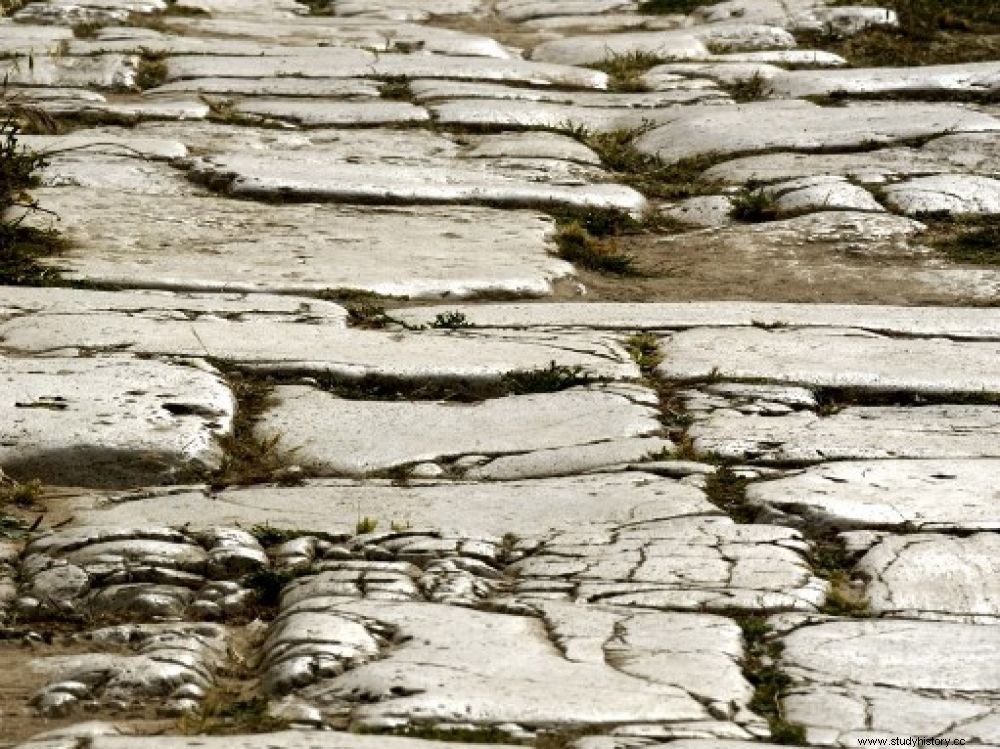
(318,435)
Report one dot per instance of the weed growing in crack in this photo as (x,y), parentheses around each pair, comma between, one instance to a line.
(644,348)
(230,715)
(451,321)
(754,205)
(673,6)
(625,70)
(552,379)
(396,89)
(833,564)
(580,247)
(760,668)
(365,525)
(267,585)
(727,490)
(965,239)
(23,495)
(444,733)
(150,73)
(754,88)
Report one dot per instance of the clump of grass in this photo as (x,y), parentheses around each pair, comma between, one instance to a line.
(396,88)
(754,205)
(769,682)
(225,716)
(451,321)
(753,88)
(23,495)
(368,314)
(365,525)
(551,379)
(625,70)
(727,490)
(644,348)
(580,247)
(832,563)
(150,73)
(462,734)
(967,240)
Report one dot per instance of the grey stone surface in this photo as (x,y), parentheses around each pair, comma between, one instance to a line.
(947,193)
(108,421)
(309,112)
(865,679)
(919,495)
(584,50)
(934,576)
(799,125)
(210,243)
(524,508)
(826,193)
(102,71)
(967,78)
(833,358)
(376,436)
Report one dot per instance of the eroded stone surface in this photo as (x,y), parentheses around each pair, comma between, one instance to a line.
(111,420)
(894,494)
(376,436)
(953,193)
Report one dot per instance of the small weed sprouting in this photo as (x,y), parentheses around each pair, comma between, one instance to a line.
(760,667)
(368,314)
(451,321)
(396,89)
(23,495)
(365,525)
(552,379)
(580,247)
(832,563)
(727,490)
(754,205)
(230,715)
(625,70)
(150,73)
(753,88)
(644,348)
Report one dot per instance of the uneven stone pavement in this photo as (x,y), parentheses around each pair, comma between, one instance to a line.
(578,374)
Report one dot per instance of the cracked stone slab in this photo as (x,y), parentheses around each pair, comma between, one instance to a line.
(526,10)
(590,49)
(561,668)
(823,193)
(294,347)
(70,12)
(28,39)
(863,679)
(366,33)
(209,243)
(920,495)
(16,301)
(380,435)
(110,421)
(327,175)
(693,563)
(949,322)
(934,576)
(967,78)
(947,193)
(833,358)
(799,125)
(345,62)
(312,113)
(335,88)
(98,173)
(855,433)
(101,71)
(284,739)
(683,92)
(524,508)
(963,152)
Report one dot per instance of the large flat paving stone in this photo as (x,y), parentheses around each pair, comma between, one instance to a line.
(833,358)
(855,433)
(515,673)
(278,346)
(307,739)
(864,679)
(682,92)
(309,112)
(375,436)
(946,193)
(967,78)
(799,125)
(934,576)
(980,323)
(693,564)
(917,495)
(210,243)
(524,508)
(101,71)
(110,421)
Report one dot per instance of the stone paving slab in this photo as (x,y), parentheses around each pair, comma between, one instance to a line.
(305,87)
(376,436)
(111,421)
(884,678)
(799,125)
(833,358)
(949,193)
(101,71)
(979,323)
(294,348)
(524,508)
(855,433)
(967,78)
(934,576)
(347,113)
(210,243)
(919,495)
(103,173)
(285,739)
(683,92)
